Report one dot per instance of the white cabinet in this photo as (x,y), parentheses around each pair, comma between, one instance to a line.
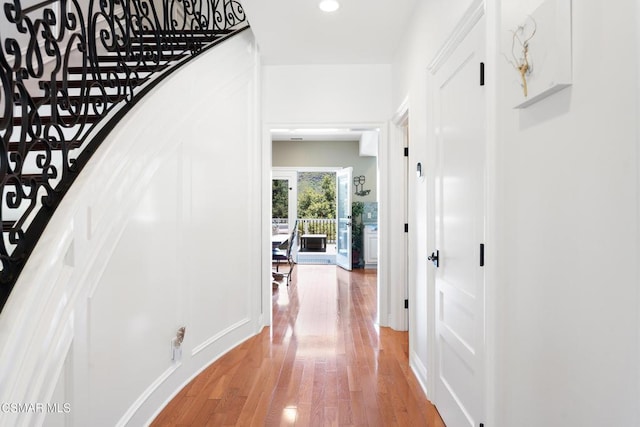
(370,246)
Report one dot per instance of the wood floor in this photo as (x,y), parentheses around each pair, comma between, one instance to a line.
(324,362)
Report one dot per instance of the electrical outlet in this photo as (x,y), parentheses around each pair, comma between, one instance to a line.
(176,344)
(176,350)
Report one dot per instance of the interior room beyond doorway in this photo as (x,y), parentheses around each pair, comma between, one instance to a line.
(307,165)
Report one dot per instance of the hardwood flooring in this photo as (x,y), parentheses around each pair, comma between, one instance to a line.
(324,362)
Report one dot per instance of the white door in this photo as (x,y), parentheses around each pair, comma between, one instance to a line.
(459,191)
(343,205)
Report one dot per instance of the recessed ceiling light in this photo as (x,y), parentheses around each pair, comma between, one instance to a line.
(329,5)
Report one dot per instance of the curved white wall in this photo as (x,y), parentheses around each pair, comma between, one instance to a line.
(161,230)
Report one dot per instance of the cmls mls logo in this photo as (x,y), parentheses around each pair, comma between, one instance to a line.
(15,408)
(60,408)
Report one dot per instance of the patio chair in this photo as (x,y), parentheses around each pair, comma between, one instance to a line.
(288,254)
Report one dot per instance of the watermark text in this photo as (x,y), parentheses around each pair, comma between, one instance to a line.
(36,407)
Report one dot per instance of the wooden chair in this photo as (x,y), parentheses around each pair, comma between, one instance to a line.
(278,254)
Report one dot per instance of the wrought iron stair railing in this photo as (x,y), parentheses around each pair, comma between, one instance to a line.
(68,73)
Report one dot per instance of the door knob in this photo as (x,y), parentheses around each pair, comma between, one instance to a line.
(435,258)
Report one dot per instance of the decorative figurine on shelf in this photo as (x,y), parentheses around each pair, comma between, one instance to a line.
(522,64)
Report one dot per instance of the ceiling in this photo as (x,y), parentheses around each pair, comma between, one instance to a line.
(292,32)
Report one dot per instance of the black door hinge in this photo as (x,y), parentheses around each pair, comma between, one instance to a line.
(482,74)
(406,228)
(481,254)
(406,303)
(406,151)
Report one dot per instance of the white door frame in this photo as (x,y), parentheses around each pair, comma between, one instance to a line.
(385,309)
(397,178)
(344,218)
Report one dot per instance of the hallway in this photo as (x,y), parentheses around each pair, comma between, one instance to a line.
(323,363)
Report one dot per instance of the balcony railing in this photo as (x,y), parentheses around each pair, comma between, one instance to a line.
(67,76)
(308,226)
(318,226)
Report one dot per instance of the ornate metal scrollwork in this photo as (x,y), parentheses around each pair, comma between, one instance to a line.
(62,71)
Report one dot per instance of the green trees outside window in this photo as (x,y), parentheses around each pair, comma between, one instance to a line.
(317,195)
(279,198)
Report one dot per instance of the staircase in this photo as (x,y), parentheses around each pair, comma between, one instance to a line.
(66,79)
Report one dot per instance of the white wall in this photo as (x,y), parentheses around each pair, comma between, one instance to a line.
(145,243)
(568,228)
(327,94)
(564,225)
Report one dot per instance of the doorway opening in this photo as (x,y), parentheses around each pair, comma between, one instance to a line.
(316,158)
(298,153)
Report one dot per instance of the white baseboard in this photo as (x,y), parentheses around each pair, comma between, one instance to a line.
(187,381)
(419,370)
(145,395)
(219,335)
(135,407)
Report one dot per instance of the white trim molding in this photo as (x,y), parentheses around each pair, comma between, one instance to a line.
(419,370)
(396,174)
(471,17)
(219,335)
(133,409)
(402,113)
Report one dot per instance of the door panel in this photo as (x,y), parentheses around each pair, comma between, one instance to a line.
(343,205)
(460,129)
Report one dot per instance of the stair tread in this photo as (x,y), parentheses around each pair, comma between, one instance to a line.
(136,58)
(75,84)
(173,34)
(46,119)
(118,69)
(42,101)
(42,146)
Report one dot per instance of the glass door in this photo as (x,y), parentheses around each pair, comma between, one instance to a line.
(283,201)
(343,196)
